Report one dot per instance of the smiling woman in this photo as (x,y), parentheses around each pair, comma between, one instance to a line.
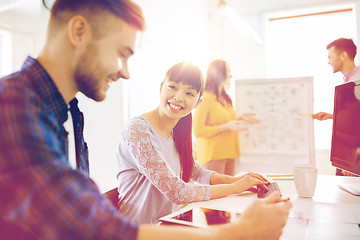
(148,154)
(155,158)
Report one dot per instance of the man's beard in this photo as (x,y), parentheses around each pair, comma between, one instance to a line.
(86,80)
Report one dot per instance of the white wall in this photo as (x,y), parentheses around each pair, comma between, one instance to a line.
(176,31)
(103,123)
(27,35)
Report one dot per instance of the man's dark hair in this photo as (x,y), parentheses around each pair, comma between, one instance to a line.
(96,12)
(344,45)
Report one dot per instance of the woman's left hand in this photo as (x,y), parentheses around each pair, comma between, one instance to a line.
(249,180)
(249,118)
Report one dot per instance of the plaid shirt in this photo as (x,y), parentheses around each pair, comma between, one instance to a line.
(41,196)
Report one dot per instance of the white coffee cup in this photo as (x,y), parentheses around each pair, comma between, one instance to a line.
(305,180)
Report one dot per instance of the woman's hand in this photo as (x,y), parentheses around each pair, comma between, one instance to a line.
(248,181)
(249,118)
(233,126)
(223,185)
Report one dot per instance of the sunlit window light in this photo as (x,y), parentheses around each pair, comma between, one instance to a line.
(6,54)
(302,52)
(238,22)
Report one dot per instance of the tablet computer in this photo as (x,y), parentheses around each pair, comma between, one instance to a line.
(199,217)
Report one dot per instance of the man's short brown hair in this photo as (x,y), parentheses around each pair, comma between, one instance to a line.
(96,12)
(344,45)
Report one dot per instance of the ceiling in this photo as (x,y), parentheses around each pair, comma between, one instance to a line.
(247,7)
(27,8)
(33,8)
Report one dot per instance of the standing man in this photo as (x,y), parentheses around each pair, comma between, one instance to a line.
(341,54)
(41,195)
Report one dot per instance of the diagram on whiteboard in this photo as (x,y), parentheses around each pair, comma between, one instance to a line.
(283,107)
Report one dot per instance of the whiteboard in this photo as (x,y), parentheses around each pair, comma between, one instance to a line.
(285,134)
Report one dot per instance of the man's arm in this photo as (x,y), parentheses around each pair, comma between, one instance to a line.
(263,219)
(39,192)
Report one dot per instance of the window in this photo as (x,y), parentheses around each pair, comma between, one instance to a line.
(296,47)
(5,53)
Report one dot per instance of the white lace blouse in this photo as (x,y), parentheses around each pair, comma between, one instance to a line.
(149,175)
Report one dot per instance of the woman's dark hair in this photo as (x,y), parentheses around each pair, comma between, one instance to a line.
(216,75)
(188,74)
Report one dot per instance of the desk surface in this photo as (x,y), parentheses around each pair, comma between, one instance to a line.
(327,190)
(332,213)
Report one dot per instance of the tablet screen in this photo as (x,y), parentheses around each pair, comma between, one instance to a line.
(201,217)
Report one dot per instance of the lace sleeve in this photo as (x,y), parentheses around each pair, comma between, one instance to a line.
(201,175)
(157,171)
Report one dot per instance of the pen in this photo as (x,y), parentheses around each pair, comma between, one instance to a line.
(281,175)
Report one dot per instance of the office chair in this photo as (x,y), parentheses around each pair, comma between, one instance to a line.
(112,195)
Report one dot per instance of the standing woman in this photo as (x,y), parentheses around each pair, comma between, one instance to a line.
(216,126)
(155,161)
